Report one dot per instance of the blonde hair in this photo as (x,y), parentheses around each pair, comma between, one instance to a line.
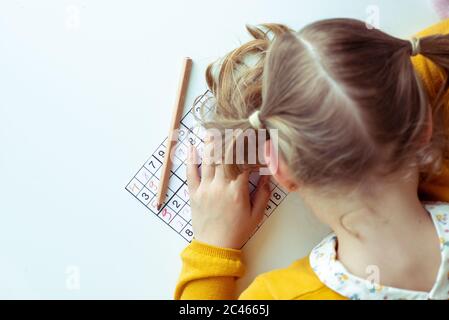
(345,99)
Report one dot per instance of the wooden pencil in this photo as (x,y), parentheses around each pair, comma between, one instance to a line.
(172,135)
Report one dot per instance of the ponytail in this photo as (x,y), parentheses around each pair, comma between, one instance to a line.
(436,49)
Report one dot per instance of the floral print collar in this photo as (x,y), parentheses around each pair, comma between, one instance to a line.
(335,276)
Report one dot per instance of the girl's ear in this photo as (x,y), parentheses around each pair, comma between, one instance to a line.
(277,166)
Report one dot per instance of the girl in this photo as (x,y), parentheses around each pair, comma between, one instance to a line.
(361,123)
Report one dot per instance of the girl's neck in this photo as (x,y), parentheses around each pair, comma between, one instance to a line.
(389,230)
(403,247)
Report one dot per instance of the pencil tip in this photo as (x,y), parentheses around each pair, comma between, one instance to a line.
(158,206)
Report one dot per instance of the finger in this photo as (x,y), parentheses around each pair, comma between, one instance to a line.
(193,177)
(207,166)
(243,177)
(220,172)
(261,197)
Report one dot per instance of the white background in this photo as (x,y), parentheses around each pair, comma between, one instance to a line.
(85,100)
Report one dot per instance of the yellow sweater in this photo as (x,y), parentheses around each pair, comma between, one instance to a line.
(210,272)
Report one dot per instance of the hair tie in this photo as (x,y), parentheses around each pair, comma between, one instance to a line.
(416,46)
(254,120)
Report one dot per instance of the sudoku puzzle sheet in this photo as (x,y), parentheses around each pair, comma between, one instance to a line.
(175,212)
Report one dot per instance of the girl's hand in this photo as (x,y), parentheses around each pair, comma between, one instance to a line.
(222,214)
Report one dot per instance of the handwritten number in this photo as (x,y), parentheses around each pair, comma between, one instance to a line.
(165,213)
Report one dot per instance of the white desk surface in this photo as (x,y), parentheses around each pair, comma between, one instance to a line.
(84,102)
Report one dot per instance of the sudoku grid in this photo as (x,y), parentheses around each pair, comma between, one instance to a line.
(175,211)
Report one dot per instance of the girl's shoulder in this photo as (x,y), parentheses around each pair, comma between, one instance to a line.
(296,282)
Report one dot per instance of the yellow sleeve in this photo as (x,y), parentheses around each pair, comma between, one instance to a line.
(209,272)
(437,189)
